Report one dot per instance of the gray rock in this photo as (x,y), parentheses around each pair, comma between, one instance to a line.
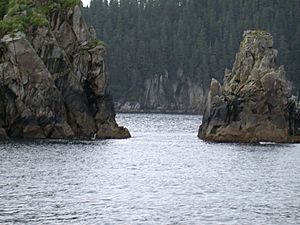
(163,94)
(255,101)
(54,82)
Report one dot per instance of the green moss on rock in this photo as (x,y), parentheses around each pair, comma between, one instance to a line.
(95,43)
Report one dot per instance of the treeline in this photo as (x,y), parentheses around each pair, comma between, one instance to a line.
(199,37)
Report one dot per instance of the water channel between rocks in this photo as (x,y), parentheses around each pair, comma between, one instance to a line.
(163,175)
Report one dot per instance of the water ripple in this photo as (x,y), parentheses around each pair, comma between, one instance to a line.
(163,175)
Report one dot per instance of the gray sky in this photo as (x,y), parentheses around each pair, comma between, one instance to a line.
(86,2)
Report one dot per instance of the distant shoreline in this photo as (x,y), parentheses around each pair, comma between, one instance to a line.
(175,112)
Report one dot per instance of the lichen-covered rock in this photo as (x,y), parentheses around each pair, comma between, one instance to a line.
(54,82)
(254,104)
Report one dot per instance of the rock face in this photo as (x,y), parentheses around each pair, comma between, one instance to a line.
(255,103)
(54,83)
(162,94)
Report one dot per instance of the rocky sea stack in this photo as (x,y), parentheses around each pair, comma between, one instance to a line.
(255,103)
(53,78)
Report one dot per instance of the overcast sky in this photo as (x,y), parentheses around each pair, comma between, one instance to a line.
(86,2)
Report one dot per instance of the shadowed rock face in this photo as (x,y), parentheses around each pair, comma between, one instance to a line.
(54,83)
(254,104)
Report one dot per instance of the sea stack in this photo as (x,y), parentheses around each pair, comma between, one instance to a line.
(255,103)
(53,77)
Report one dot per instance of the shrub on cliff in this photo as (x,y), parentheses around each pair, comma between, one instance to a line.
(68,3)
(22,14)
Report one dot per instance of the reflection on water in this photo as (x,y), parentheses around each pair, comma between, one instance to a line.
(163,175)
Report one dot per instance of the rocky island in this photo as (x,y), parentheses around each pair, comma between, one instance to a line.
(255,102)
(53,78)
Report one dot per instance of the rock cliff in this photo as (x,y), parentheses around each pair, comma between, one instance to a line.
(254,104)
(53,78)
(163,94)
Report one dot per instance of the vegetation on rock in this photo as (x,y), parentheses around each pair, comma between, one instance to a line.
(54,81)
(22,14)
(95,43)
(68,3)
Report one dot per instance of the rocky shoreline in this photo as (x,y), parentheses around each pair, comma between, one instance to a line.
(178,112)
(163,94)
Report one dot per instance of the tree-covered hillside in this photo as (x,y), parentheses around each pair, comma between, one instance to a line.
(201,37)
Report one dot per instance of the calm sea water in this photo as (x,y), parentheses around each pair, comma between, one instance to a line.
(163,175)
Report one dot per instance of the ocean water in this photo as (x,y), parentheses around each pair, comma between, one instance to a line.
(163,175)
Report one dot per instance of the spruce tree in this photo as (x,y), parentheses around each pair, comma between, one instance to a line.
(200,37)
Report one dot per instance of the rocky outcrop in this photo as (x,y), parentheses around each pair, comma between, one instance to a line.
(254,104)
(54,82)
(166,95)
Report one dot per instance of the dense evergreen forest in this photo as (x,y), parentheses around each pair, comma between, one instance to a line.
(201,37)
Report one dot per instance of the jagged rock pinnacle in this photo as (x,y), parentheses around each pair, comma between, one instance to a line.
(253,104)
